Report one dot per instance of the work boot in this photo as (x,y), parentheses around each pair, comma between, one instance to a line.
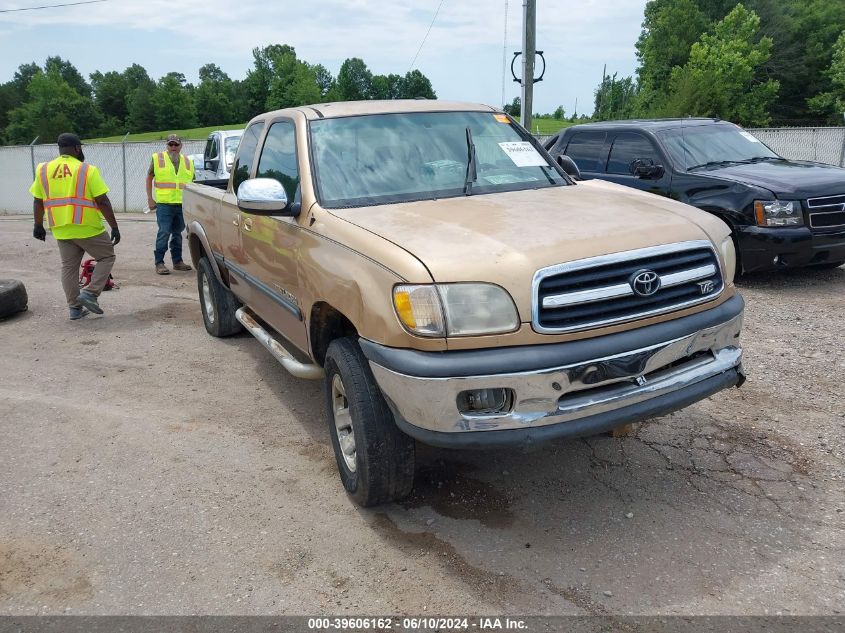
(161,269)
(77,312)
(88,300)
(181,266)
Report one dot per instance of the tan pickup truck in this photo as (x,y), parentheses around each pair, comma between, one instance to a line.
(454,285)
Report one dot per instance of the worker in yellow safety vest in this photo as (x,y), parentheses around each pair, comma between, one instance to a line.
(72,194)
(171,171)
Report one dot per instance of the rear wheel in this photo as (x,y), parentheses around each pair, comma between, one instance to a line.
(217,303)
(375,459)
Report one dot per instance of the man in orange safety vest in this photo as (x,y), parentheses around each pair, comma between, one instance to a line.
(72,194)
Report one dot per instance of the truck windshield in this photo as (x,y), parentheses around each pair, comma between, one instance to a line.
(696,146)
(386,158)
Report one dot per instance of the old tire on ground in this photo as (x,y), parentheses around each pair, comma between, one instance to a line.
(13,298)
(375,459)
(217,303)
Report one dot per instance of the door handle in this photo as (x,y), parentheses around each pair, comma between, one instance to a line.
(237,220)
(247,224)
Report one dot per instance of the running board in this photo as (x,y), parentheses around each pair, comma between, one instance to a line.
(296,368)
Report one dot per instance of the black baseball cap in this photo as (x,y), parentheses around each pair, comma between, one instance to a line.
(69,140)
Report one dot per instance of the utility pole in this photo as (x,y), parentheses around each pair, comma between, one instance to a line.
(529,49)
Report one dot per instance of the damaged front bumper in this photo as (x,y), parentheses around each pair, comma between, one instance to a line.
(563,389)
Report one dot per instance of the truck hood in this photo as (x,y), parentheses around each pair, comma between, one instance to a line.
(793,180)
(505,238)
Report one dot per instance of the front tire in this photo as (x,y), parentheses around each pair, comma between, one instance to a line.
(375,459)
(217,303)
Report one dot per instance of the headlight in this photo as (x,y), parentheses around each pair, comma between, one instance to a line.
(729,256)
(778,213)
(455,309)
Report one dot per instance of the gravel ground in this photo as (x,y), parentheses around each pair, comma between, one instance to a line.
(147,468)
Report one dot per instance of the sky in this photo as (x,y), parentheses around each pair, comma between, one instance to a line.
(462,55)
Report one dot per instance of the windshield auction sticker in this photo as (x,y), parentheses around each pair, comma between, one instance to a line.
(523,154)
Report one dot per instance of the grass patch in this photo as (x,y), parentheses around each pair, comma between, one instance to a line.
(197,134)
(545,127)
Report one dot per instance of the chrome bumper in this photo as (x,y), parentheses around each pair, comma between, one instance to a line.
(565,394)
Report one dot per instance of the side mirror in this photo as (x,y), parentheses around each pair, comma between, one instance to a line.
(211,165)
(265,196)
(646,169)
(569,166)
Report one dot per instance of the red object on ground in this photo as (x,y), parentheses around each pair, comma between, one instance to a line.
(88,270)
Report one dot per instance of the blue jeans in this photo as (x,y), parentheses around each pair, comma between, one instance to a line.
(171,223)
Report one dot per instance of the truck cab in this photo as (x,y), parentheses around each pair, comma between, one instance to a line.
(213,166)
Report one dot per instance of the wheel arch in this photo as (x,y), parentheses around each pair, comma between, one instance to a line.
(199,247)
(325,324)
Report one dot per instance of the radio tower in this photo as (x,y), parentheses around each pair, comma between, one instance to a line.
(505,54)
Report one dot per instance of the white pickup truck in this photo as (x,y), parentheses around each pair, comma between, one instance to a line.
(213,165)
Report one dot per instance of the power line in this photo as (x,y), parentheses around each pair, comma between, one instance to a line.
(413,61)
(52,6)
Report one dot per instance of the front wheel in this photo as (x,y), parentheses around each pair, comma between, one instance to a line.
(375,459)
(217,303)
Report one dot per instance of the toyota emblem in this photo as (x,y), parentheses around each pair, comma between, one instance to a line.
(645,283)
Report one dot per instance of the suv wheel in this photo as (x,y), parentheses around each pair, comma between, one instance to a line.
(375,459)
(217,303)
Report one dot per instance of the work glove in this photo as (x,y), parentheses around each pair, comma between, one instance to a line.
(115,236)
(39,233)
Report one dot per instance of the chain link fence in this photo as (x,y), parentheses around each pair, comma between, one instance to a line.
(819,144)
(123,166)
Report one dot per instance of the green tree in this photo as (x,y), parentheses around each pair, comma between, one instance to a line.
(283,67)
(304,88)
(721,77)
(110,94)
(414,84)
(559,113)
(53,107)
(258,80)
(140,106)
(354,80)
(386,87)
(68,72)
(514,108)
(670,27)
(615,98)
(831,104)
(213,73)
(325,81)
(173,103)
(214,97)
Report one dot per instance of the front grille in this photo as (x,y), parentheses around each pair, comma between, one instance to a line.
(600,291)
(827,213)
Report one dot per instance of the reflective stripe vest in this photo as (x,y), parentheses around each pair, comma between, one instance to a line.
(68,205)
(169,183)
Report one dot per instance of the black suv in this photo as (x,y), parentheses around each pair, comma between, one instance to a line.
(782,212)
